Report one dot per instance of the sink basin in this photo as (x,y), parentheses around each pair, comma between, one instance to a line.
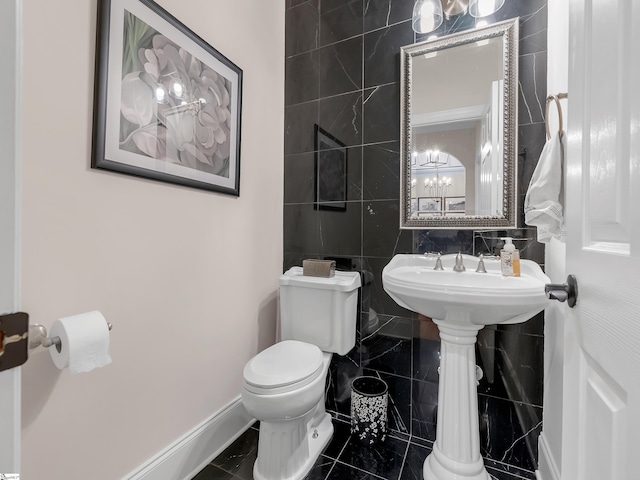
(465,298)
(460,304)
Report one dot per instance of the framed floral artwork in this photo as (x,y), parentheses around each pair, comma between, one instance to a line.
(167,104)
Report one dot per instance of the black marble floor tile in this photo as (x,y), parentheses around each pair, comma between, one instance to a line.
(340,471)
(321,468)
(421,442)
(405,437)
(399,411)
(211,472)
(503,471)
(341,435)
(424,410)
(501,436)
(239,457)
(342,371)
(346,458)
(383,459)
(412,469)
(416,455)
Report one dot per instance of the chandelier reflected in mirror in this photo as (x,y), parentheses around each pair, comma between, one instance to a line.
(429,14)
(430,159)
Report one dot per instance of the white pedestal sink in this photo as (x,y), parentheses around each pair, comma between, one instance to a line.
(461,303)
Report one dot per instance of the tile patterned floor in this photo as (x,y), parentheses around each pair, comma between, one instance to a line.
(345,458)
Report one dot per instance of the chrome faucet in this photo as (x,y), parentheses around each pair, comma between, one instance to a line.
(481,268)
(459,267)
(438,263)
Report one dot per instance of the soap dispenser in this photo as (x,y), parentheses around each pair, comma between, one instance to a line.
(510,259)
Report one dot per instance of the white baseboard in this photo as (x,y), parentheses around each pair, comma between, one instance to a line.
(188,455)
(547,467)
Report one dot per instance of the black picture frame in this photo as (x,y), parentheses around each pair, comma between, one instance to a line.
(167,105)
(330,172)
(428,205)
(455,204)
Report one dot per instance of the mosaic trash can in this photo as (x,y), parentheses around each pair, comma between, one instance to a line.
(369,401)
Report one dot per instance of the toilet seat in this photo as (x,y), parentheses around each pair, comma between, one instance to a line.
(283,367)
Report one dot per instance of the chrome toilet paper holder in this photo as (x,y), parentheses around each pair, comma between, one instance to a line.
(38,337)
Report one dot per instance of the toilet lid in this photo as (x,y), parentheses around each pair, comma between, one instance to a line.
(282,364)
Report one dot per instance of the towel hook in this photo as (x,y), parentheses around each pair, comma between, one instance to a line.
(555,98)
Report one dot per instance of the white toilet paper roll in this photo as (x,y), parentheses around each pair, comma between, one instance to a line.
(84,342)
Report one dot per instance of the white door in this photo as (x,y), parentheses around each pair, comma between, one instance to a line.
(9,207)
(601,430)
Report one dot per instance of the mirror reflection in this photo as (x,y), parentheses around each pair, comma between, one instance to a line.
(460,166)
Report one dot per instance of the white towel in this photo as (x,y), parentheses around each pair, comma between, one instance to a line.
(543,204)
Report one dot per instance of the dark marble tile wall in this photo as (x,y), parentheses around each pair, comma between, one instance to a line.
(342,73)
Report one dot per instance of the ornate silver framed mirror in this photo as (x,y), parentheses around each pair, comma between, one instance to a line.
(459,130)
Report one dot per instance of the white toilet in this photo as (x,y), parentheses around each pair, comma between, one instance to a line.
(284,385)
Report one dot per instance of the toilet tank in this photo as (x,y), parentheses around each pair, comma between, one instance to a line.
(319,310)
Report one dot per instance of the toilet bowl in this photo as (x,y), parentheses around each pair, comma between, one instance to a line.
(284,385)
(284,388)
(285,381)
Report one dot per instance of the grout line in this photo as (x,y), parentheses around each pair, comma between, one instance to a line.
(349,92)
(404,460)
(346,39)
(519,471)
(360,470)
(382,142)
(331,469)
(362,209)
(519,402)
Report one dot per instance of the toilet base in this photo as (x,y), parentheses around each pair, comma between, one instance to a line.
(287,450)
